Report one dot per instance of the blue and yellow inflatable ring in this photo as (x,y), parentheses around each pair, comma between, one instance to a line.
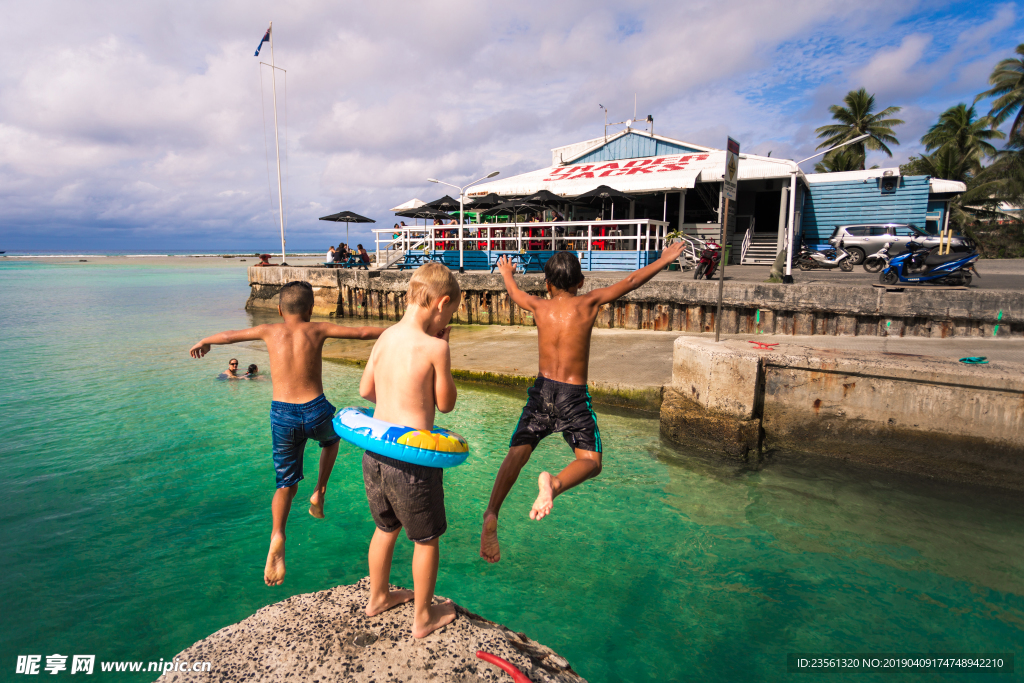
(436,448)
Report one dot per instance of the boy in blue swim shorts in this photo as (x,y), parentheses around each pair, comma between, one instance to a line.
(299,410)
(559,400)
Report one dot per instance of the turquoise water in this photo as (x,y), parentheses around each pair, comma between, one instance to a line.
(135,516)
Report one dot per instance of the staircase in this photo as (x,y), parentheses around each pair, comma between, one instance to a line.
(762,249)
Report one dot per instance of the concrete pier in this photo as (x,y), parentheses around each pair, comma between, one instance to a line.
(680,305)
(900,411)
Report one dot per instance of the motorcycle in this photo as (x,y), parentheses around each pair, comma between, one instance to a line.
(878,260)
(918,264)
(710,255)
(829,259)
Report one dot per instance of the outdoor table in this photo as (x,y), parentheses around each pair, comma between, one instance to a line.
(523,262)
(414,260)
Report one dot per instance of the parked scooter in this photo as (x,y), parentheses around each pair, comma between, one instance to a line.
(878,260)
(710,255)
(829,259)
(918,264)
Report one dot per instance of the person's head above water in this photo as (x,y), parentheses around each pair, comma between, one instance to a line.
(252,370)
(563,271)
(296,299)
(232,366)
(430,282)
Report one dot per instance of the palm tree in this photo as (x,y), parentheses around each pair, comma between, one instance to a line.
(856,119)
(960,129)
(1007,81)
(844,159)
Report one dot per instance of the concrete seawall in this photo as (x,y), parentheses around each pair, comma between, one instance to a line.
(680,305)
(910,413)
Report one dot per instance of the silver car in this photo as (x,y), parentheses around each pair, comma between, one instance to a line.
(864,239)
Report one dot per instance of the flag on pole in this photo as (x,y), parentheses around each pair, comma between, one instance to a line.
(266,37)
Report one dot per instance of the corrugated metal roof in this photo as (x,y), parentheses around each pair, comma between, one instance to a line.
(938,185)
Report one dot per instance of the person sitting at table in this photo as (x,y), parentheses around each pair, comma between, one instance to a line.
(330,254)
(363,258)
(341,253)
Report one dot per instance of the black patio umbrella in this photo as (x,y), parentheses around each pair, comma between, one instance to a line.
(602,192)
(548,199)
(424,211)
(347,217)
(445,203)
(486,202)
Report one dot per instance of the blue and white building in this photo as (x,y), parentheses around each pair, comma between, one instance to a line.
(675,185)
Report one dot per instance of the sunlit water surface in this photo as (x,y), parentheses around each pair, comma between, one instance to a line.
(135,514)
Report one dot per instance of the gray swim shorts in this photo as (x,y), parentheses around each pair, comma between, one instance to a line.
(401,494)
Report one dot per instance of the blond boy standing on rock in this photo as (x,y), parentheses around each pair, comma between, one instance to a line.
(409,376)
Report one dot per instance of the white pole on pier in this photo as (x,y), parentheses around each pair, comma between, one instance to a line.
(277,141)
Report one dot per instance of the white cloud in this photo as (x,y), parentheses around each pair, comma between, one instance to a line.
(144,119)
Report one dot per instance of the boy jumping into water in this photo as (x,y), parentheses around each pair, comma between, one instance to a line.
(558,401)
(407,376)
(299,411)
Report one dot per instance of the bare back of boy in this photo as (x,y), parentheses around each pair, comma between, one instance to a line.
(295,347)
(405,382)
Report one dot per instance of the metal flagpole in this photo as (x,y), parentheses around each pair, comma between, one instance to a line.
(277,140)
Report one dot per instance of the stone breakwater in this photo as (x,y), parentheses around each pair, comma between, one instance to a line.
(326,636)
(678,305)
(904,412)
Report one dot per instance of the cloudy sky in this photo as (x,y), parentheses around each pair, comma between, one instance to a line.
(147,126)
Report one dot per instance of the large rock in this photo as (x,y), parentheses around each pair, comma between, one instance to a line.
(326,636)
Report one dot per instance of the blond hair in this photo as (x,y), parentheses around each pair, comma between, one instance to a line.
(430,282)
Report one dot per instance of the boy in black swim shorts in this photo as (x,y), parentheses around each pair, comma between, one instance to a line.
(558,400)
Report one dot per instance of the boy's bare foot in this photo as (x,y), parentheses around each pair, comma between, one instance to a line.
(440,615)
(394,598)
(545,499)
(316,505)
(273,574)
(489,548)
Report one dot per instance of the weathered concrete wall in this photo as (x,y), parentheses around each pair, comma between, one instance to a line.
(911,413)
(680,305)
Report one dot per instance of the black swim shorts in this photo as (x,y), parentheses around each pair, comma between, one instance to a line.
(558,407)
(401,494)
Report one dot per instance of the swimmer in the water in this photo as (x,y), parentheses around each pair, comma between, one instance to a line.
(559,400)
(232,371)
(252,371)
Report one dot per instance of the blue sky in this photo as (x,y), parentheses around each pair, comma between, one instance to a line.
(139,126)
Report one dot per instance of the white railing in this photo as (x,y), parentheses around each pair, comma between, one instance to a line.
(407,239)
(746,242)
(636,234)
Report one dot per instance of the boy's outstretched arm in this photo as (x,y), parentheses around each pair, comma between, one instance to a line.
(635,279)
(229,337)
(521,298)
(333,331)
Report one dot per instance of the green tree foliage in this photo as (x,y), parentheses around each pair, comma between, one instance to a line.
(1007,81)
(961,130)
(858,118)
(845,159)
